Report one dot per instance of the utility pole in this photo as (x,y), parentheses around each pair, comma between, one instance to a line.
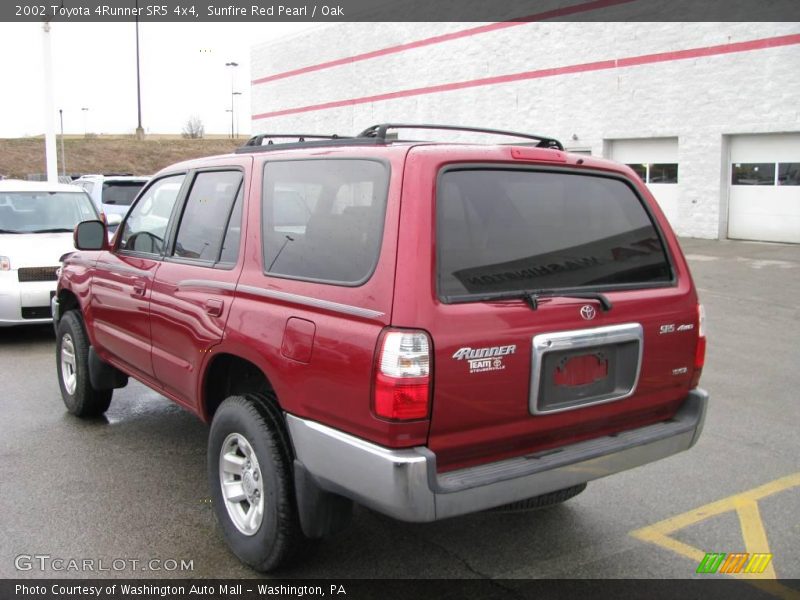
(85,112)
(139,129)
(51,159)
(63,154)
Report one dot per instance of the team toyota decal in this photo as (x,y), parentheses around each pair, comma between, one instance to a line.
(485,359)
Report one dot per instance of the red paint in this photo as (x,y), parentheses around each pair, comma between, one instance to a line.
(298,340)
(774,42)
(438,39)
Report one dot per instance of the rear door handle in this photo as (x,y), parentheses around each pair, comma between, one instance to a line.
(139,287)
(214,307)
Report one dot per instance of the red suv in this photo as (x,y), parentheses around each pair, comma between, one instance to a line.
(427,329)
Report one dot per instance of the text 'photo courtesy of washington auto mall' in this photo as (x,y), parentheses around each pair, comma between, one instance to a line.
(400,299)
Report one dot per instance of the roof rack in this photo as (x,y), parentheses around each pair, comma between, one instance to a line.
(375,135)
(379,132)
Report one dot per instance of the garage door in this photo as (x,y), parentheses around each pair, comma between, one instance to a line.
(656,162)
(764,199)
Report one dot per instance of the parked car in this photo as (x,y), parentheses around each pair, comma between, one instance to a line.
(112,194)
(36,224)
(428,329)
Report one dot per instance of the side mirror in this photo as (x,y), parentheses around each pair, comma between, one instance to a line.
(113,219)
(90,235)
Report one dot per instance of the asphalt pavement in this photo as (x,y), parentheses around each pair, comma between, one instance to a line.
(132,486)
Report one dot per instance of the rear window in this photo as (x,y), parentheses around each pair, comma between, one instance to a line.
(323,219)
(121,193)
(502,231)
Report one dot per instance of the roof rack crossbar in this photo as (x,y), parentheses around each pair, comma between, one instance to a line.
(379,131)
(258,140)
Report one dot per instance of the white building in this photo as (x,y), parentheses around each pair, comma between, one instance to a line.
(707,110)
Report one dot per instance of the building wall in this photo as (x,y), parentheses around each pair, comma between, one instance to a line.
(586,84)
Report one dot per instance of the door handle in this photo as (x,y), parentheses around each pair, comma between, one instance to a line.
(214,307)
(139,287)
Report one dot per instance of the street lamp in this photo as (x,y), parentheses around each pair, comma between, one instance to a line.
(85,120)
(233,65)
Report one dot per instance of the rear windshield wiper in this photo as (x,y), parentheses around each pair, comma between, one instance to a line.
(53,230)
(532,297)
(11,231)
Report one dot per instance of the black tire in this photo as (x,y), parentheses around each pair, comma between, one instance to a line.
(277,538)
(80,398)
(543,501)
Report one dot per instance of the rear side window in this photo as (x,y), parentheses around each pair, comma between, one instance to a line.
(501,231)
(206,215)
(121,193)
(323,219)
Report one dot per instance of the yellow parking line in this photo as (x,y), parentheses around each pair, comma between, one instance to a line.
(755,537)
(753,533)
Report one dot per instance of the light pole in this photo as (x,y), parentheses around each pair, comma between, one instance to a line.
(85,112)
(233,65)
(139,129)
(63,155)
(236,129)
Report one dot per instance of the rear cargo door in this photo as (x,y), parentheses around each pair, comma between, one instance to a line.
(527,358)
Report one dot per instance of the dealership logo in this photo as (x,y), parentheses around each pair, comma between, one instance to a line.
(481,360)
(731,564)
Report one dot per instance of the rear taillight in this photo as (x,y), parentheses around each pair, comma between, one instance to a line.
(402,376)
(700,350)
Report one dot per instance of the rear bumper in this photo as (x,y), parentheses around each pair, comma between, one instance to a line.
(404,484)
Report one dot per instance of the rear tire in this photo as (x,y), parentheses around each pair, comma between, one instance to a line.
(72,365)
(543,501)
(252,486)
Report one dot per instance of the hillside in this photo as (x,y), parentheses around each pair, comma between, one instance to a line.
(108,154)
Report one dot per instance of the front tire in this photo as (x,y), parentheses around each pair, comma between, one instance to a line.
(72,365)
(251,480)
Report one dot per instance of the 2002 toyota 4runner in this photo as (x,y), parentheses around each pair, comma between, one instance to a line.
(427,329)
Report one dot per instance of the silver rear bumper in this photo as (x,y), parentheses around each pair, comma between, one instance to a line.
(404,484)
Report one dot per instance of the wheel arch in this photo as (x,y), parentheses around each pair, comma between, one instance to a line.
(227,374)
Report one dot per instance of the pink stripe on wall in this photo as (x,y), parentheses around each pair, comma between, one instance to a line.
(550,14)
(760,44)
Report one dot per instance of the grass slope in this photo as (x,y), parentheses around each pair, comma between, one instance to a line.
(107,154)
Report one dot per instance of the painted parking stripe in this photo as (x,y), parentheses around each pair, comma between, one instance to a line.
(753,533)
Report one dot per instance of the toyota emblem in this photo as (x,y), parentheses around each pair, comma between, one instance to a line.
(588,312)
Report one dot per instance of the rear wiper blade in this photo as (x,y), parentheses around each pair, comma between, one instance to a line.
(53,230)
(11,231)
(532,297)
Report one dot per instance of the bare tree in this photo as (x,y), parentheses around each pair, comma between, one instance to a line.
(194,129)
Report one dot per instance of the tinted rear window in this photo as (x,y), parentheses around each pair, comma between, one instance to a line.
(501,231)
(121,193)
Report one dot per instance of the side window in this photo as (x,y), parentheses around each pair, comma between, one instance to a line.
(206,214)
(323,219)
(230,245)
(145,227)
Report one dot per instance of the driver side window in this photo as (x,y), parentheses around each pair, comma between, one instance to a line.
(145,227)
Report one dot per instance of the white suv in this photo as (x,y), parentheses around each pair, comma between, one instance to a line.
(112,194)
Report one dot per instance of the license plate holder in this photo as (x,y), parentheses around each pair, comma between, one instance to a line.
(580,368)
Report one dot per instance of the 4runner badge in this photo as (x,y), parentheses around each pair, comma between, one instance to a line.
(485,359)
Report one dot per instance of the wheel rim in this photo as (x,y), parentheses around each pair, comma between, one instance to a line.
(242,483)
(68,375)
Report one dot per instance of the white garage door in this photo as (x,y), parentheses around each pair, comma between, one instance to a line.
(656,162)
(764,200)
